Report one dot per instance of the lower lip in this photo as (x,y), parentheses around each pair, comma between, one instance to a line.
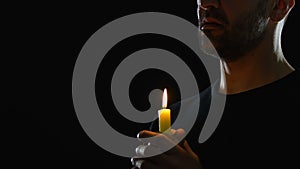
(211,27)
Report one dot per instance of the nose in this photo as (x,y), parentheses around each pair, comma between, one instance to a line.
(206,4)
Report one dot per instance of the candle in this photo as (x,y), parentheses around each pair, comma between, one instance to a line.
(164,115)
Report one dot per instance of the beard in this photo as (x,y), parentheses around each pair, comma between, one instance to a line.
(243,36)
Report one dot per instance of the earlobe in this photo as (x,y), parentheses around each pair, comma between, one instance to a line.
(281,9)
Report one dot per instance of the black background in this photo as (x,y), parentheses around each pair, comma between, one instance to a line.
(43,42)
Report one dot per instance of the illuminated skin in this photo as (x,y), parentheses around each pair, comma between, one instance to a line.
(247,37)
(233,27)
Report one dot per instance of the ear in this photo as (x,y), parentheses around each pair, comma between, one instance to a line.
(280,9)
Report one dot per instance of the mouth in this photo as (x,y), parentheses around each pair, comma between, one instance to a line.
(209,24)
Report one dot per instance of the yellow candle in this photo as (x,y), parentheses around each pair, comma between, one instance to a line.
(164,115)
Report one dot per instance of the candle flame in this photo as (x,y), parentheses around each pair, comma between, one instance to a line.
(165,99)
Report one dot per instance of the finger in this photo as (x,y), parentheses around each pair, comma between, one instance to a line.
(139,150)
(139,163)
(179,133)
(135,159)
(156,160)
(147,133)
(147,150)
(159,159)
(177,136)
(144,164)
(166,144)
(187,148)
(180,136)
(144,134)
(163,142)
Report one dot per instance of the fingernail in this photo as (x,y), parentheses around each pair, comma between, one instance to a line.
(132,161)
(140,134)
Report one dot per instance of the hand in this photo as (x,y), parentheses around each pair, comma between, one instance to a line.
(178,157)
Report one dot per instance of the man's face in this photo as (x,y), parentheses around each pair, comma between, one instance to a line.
(234,27)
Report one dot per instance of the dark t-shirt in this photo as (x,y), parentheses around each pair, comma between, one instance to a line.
(259,128)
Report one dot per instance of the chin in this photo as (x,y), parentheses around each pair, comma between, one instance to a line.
(207,47)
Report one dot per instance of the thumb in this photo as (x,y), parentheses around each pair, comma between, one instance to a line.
(179,134)
(185,145)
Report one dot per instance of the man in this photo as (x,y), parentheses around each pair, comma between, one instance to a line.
(259,126)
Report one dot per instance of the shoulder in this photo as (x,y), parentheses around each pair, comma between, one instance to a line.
(289,82)
(292,80)
(297,75)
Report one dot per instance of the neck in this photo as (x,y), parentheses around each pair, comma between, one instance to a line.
(263,65)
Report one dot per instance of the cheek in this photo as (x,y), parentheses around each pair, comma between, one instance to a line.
(236,9)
